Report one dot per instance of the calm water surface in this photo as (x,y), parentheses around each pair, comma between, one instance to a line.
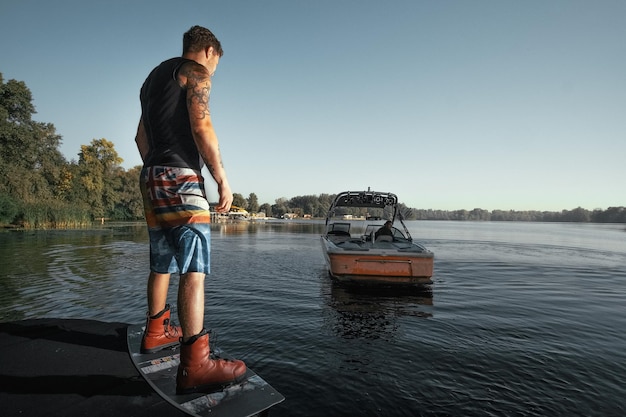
(523,319)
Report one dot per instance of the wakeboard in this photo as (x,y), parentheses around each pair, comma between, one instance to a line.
(251,397)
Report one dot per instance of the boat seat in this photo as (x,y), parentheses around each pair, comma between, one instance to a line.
(339,229)
(339,233)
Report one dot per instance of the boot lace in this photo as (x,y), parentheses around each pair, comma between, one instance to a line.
(169,330)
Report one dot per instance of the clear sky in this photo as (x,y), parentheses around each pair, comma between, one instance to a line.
(451,104)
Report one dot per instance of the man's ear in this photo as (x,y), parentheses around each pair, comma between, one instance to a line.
(210,52)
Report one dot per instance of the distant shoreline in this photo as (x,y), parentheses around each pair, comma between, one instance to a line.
(99,226)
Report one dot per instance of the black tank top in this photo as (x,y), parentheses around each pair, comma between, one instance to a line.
(166,118)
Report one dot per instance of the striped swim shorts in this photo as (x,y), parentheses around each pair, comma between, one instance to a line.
(178,217)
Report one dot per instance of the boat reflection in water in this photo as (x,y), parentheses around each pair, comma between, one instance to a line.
(373,312)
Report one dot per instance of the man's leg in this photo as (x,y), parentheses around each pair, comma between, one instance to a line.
(158,285)
(159,332)
(191,303)
(197,371)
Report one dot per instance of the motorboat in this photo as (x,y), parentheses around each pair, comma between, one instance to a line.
(357,249)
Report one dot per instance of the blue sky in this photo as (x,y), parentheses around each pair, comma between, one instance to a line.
(451,104)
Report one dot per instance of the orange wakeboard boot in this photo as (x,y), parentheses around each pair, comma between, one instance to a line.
(159,333)
(198,372)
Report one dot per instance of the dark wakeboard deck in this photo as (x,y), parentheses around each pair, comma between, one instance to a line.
(251,397)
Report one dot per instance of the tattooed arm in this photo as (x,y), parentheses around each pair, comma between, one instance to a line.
(197,80)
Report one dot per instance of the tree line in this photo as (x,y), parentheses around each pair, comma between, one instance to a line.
(39,188)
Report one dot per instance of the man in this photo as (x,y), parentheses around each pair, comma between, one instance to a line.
(175,138)
(384,230)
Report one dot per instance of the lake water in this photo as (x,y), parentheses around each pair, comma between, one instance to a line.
(522,319)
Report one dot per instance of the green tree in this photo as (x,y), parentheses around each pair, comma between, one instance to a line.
(610,215)
(239,201)
(129,205)
(280,207)
(8,209)
(16,109)
(579,214)
(324,204)
(99,177)
(30,162)
(479,214)
(253,203)
(267,209)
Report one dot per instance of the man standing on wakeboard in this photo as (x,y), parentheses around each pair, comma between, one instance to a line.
(176,138)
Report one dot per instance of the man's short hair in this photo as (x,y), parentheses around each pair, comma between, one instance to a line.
(199,38)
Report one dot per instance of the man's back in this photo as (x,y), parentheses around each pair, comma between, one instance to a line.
(166,118)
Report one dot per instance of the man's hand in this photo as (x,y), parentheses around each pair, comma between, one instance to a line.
(226,199)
